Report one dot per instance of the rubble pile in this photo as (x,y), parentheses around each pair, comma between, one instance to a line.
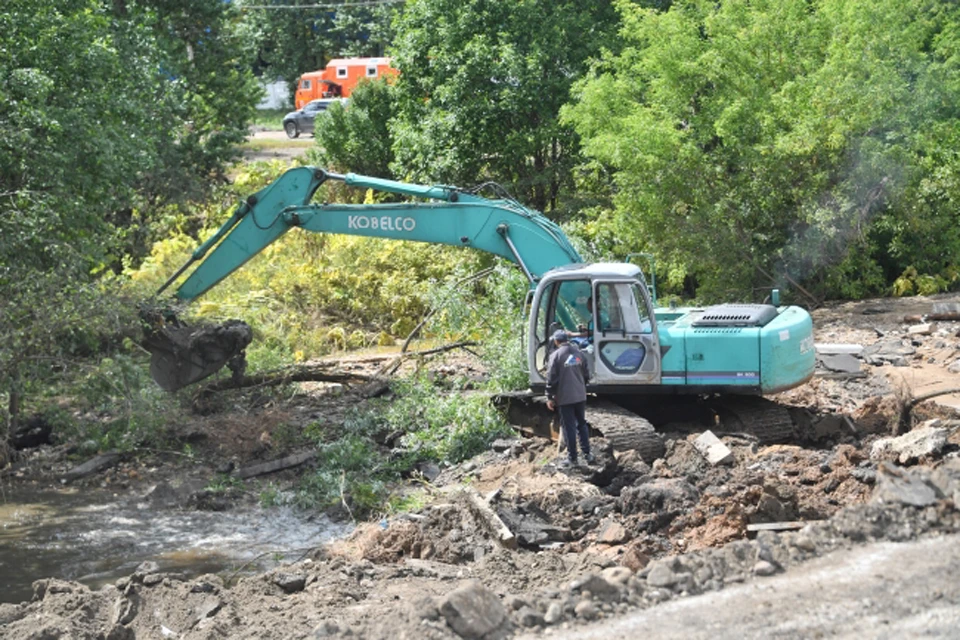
(510,542)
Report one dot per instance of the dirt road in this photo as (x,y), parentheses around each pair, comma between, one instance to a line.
(886,590)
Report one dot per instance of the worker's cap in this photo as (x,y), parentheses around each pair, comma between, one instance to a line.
(559,335)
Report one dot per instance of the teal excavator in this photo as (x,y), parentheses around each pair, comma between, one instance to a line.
(633,346)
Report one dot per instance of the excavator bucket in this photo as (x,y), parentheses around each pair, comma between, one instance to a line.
(182,354)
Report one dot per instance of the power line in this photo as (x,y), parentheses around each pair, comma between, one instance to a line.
(365,3)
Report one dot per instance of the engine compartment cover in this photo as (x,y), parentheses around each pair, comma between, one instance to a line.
(736,315)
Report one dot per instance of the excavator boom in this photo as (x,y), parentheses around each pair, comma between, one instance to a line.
(183,355)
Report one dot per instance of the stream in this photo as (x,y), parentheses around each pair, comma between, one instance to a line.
(96,537)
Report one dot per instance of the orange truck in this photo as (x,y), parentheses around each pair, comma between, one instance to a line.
(339,78)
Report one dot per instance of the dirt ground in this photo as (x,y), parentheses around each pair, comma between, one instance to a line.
(510,544)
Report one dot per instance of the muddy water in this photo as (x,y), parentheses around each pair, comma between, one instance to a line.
(95,538)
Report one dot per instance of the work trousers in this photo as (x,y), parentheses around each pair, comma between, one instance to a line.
(574,420)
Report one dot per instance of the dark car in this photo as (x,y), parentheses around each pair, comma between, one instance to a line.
(297,122)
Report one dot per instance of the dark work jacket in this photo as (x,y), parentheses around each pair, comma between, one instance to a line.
(567,375)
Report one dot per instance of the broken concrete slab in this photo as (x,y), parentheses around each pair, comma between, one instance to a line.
(840,363)
(896,485)
(925,440)
(531,526)
(713,449)
(836,349)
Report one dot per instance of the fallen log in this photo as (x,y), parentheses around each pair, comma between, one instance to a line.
(481,509)
(277,465)
(313,373)
(92,466)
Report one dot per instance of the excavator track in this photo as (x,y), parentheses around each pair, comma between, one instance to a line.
(625,430)
(768,421)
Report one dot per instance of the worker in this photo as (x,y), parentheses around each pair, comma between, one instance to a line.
(567,376)
(584,334)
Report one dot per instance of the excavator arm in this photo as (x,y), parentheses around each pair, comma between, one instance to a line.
(450,216)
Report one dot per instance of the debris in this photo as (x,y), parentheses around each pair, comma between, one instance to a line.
(924,329)
(91,467)
(711,448)
(290,582)
(495,525)
(764,568)
(531,527)
(834,349)
(840,363)
(895,485)
(473,611)
(927,439)
(587,610)
(277,465)
(554,613)
(777,526)
(613,533)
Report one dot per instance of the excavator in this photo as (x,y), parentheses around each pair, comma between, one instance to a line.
(633,346)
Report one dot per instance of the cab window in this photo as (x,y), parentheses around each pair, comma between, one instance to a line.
(304,84)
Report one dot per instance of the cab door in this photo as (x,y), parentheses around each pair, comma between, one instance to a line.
(625,340)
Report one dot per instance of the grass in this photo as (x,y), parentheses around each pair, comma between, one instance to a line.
(270,119)
(261,143)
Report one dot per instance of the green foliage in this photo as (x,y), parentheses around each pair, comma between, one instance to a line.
(292,42)
(108,110)
(480,87)
(357,138)
(752,141)
(438,425)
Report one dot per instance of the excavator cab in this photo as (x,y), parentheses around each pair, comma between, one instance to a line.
(608,312)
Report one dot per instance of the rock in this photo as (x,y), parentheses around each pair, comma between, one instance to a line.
(515,603)
(326,629)
(598,586)
(473,611)
(125,608)
(426,608)
(144,569)
(586,610)
(669,574)
(895,485)
(922,441)
(764,568)
(660,495)
(617,576)
(711,448)
(612,532)
(152,579)
(162,496)
(503,444)
(955,367)
(290,582)
(554,613)
(530,617)
(207,609)
(634,559)
(429,470)
(924,329)
(31,433)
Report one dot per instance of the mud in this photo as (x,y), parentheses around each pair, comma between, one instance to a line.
(589,544)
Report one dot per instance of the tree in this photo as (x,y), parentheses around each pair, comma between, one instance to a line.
(294,41)
(358,138)
(480,88)
(757,143)
(108,112)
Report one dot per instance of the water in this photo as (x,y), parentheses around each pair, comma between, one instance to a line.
(95,538)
